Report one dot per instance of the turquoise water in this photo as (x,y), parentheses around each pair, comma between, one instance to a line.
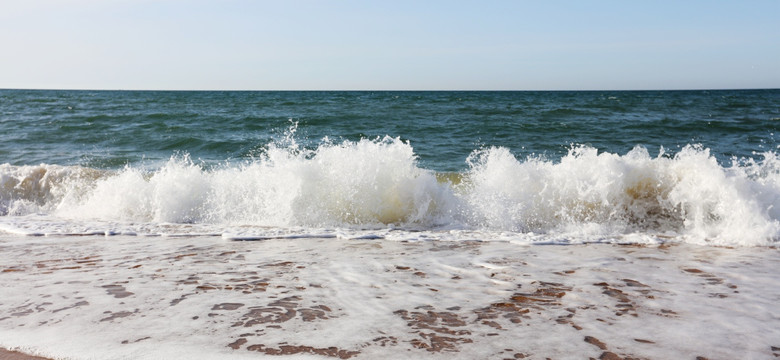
(626,166)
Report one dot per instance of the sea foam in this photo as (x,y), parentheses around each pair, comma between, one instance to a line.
(371,185)
(688,194)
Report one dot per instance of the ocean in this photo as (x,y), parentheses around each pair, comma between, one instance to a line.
(560,167)
(390,225)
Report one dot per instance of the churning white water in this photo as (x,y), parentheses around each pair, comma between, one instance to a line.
(376,188)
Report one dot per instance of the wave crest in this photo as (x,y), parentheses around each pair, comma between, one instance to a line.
(373,184)
(688,194)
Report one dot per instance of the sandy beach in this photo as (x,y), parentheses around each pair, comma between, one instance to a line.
(15,355)
(128,297)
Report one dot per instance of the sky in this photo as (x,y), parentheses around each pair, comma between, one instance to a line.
(389,44)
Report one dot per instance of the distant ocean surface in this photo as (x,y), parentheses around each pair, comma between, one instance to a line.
(528,167)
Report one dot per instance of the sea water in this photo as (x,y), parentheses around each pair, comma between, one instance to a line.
(697,167)
(345,189)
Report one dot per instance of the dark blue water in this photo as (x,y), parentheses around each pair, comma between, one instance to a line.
(111,129)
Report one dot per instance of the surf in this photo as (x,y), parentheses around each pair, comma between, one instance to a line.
(368,186)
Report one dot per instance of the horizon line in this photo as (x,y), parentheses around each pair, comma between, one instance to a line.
(386,90)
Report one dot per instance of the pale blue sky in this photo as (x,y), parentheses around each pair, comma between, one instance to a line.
(394,45)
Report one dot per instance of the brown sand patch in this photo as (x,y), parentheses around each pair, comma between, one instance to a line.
(248,283)
(521,303)
(634,283)
(565,272)
(28,309)
(385,341)
(711,279)
(191,280)
(606,355)
(89,260)
(15,355)
(182,256)
(436,343)
(283,310)
(280,264)
(267,315)
(315,312)
(68,263)
(300,349)
(227,306)
(125,342)
(567,319)
(117,290)
(595,342)
(442,337)
(80,303)
(24,312)
(238,343)
(175,302)
(416,272)
(625,305)
(118,315)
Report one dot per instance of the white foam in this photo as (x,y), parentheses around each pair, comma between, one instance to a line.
(592,194)
(376,185)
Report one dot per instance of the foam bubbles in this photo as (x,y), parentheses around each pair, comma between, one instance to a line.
(588,193)
(369,183)
(374,185)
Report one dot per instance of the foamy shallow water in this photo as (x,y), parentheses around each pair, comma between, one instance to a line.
(36,225)
(135,297)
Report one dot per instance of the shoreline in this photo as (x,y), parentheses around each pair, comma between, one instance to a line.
(198,298)
(6,354)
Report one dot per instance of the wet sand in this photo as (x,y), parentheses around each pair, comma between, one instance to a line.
(203,297)
(6,354)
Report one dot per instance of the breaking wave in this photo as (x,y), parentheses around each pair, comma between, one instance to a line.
(374,185)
